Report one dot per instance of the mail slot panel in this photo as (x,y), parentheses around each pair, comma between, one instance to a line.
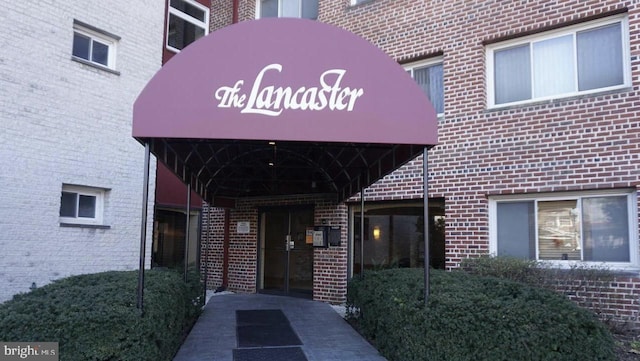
(326,236)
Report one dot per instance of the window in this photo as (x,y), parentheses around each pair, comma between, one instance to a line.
(81,205)
(394,235)
(429,75)
(581,59)
(307,9)
(94,46)
(188,22)
(591,227)
(356,2)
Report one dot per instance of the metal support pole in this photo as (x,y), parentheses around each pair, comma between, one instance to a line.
(425,184)
(143,227)
(204,253)
(186,233)
(362,229)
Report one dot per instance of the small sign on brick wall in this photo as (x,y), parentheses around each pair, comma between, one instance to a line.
(243,227)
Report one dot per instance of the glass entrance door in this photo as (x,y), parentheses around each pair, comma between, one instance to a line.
(286,257)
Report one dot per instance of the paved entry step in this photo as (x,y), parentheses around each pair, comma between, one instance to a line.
(266,335)
(264,328)
(269,354)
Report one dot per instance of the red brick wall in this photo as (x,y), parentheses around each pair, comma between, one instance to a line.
(617,300)
(330,265)
(211,246)
(222,12)
(581,143)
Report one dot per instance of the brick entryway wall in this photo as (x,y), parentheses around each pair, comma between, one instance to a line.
(329,264)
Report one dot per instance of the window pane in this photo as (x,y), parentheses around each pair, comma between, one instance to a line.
(606,229)
(600,57)
(310,9)
(378,248)
(100,53)
(68,203)
(182,33)
(81,45)
(189,9)
(269,9)
(87,206)
(430,80)
(516,229)
(553,67)
(512,74)
(559,230)
(290,8)
(394,237)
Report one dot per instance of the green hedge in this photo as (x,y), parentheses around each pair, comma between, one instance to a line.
(94,316)
(535,273)
(472,318)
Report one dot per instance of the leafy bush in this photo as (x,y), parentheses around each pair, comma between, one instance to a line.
(533,272)
(94,316)
(472,318)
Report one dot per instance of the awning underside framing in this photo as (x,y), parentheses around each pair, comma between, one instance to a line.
(231,169)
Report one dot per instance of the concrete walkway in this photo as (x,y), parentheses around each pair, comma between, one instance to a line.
(324,334)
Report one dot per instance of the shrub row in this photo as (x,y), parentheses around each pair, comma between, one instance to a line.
(535,273)
(94,316)
(472,318)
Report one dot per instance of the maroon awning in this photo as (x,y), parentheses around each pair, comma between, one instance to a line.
(283,106)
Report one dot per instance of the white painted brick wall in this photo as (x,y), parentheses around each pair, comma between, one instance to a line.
(65,122)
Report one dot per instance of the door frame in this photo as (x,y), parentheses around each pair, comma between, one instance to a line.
(260,242)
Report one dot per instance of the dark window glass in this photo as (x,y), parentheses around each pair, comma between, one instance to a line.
(430,80)
(516,229)
(81,45)
(310,9)
(600,57)
(100,53)
(512,74)
(269,8)
(189,9)
(606,229)
(87,206)
(393,237)
(68,203)
(182,33)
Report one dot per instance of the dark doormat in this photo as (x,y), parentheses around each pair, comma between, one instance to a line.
(269,354)
(264,328)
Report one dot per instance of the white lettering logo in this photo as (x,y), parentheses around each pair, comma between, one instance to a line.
(269,100)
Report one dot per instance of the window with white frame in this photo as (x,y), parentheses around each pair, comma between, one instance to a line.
(188,22)
(585,58)
(307,9)
(81,205)
(429,76)
(94,46)
(587,226)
